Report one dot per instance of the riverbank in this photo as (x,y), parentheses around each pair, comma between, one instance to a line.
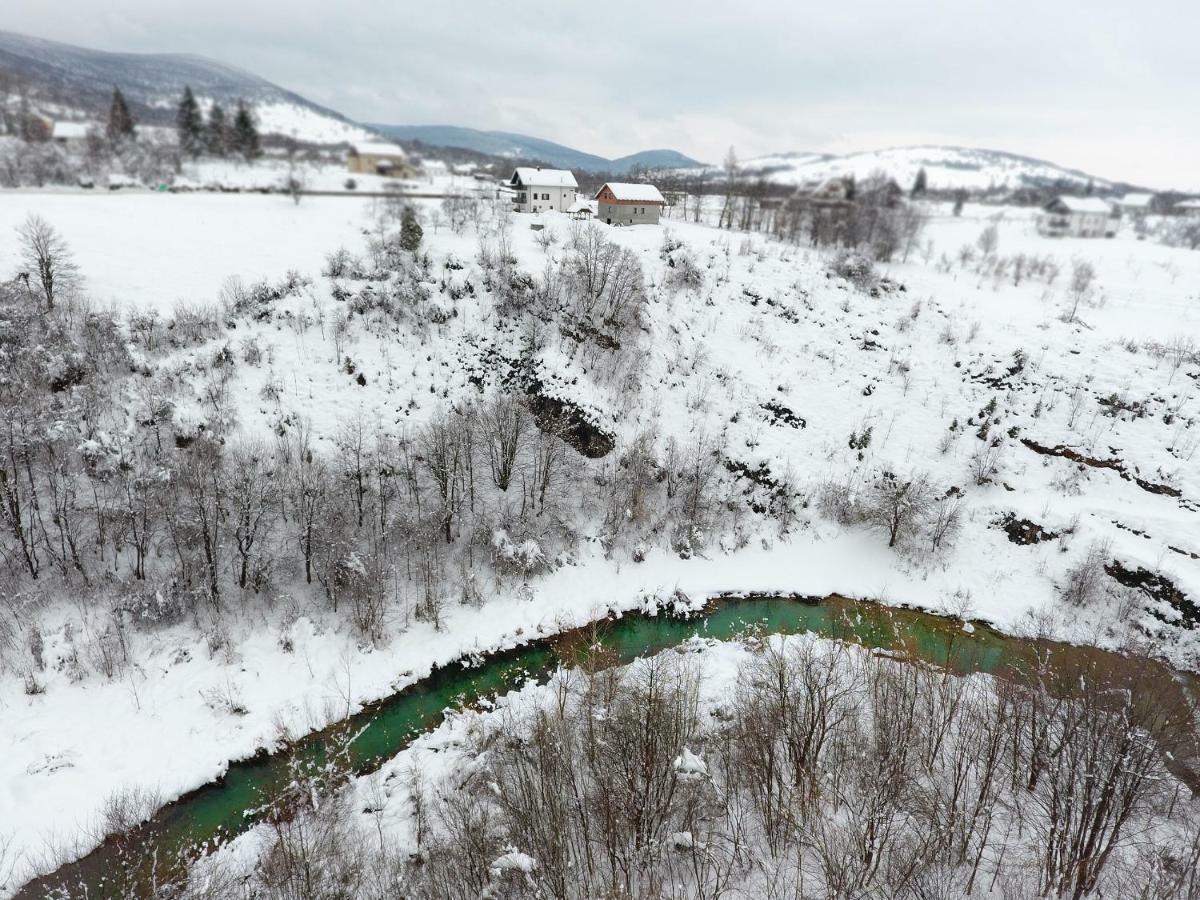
(219,811)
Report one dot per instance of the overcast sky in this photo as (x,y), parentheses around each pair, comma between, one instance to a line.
(1109,86)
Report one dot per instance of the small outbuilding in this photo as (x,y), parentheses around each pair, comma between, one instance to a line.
(1087,217)
(379,158)
(582,209)
(619,203)
(1188,208)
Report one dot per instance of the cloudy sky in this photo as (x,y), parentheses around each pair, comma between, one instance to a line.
(1109,86)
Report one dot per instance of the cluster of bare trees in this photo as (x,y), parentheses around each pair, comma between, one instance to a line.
(158,515)
(906,509)
(871,215)
(826,772)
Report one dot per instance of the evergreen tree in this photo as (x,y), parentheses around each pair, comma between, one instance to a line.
(921,183)
(216,136)
(245,134)
(960,199)
(120,120)
(410,230)
(189,125)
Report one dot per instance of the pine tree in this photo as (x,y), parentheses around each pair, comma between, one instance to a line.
(120,120)
(216,136)
(410,230)
(960,200)
(245,134)
(921,183)
(189,125)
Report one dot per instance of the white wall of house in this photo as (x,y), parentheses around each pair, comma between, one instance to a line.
(1073,224)
(539,198)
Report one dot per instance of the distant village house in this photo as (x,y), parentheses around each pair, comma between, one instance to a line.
(1087,217)
(535,189)
(619,203)
(379,158)
(1188,208)
(1136,204)
(71,135)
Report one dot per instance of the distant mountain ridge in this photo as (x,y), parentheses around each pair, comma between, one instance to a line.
(946,168)
(522,146)
(64,78)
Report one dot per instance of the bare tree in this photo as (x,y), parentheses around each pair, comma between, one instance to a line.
(49,259)
(503,421)
(1083,275)
(898,507)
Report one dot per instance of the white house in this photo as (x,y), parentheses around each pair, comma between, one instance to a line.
(71,135)
(1137,204)
(1077,217)
(536,189)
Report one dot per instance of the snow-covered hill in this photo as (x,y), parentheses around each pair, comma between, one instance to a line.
(67,81)
(947,168)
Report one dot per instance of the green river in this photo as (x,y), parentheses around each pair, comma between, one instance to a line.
(222,809)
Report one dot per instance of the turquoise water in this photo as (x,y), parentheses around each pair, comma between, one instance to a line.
(230,806)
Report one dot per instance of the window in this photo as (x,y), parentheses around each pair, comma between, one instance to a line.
(545,196)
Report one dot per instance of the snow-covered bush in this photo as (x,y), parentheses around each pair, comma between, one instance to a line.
(1084,581)
(855,268)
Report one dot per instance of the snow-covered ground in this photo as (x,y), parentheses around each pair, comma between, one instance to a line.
(768,326)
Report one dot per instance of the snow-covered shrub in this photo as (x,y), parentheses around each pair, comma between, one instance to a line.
(1182,232)
(194,323)
(838,500)
(683,272)
(153,606)
(523,557)
(855,268)
(1084,581)
(984,464)
(341,263)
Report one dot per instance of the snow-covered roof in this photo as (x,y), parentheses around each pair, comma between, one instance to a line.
(1136,201)
(1188,204)
(581,206)
(645,193)
(377,148)
(1084,204)
(532,176)
(70,130)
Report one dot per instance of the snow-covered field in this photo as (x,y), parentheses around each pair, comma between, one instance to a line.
(769,328)
(152,250)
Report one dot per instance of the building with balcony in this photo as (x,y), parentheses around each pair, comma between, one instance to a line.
(536,189)
(1087,217)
